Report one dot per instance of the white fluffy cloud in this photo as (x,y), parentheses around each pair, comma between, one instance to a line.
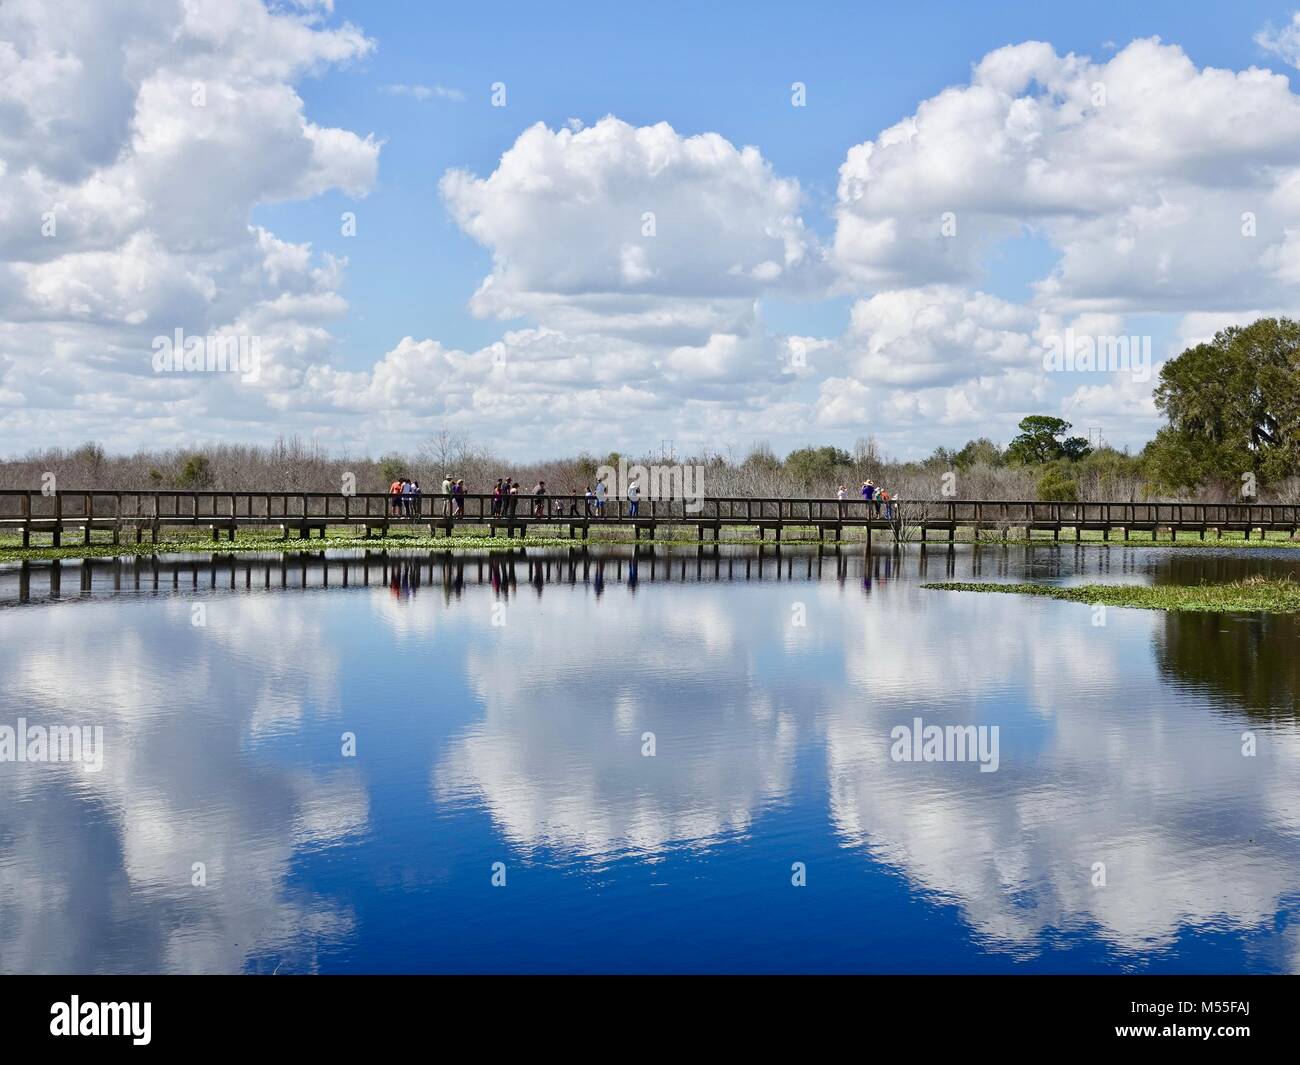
(631,264)
(637,223)
(134,146)
(1143,173)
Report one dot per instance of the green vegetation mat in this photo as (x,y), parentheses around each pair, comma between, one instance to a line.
(1270,595)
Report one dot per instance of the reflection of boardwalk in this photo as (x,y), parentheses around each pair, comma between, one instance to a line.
(141,514)
(407,574)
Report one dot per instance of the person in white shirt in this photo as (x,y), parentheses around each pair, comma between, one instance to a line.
(601,489)
(633,499)
(842,495)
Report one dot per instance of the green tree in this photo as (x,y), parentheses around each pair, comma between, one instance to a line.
(392,468)
(979,451)
(813,465)
(1043,439)
(762,457)
(1233,405)
(1057,486)
(196,474)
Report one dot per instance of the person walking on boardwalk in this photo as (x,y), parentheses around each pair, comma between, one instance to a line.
(633,499)
(601,490)
(587,499)
(458,498)
(514,497)
(395,490)
(842,495)
(407,488)
(573,502)
(496,499)
(539,499)
(446,491)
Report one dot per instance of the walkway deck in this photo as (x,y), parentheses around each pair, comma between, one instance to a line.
(139,514)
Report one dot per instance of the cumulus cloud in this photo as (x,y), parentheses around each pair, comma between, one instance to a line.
(135,146)
(1146,173)
(642,223)
(631,264)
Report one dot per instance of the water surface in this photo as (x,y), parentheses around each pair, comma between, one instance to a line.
(503,711)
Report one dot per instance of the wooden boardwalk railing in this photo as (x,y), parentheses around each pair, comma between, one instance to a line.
(435,571)
(82,512)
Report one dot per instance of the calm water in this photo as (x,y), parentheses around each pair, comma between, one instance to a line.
(501,712)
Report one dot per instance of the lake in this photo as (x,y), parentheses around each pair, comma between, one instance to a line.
(680,760)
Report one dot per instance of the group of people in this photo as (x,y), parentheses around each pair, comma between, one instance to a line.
(506,492)
(406,496)
(505,499)
(876,498)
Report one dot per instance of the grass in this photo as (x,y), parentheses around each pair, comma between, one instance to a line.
(11,549)
(1093,538)
(1253,594)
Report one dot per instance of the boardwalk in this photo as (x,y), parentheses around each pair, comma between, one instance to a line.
(80,514)
(447,573)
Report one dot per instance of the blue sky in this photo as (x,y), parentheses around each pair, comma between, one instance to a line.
(499,282)
(698,67)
